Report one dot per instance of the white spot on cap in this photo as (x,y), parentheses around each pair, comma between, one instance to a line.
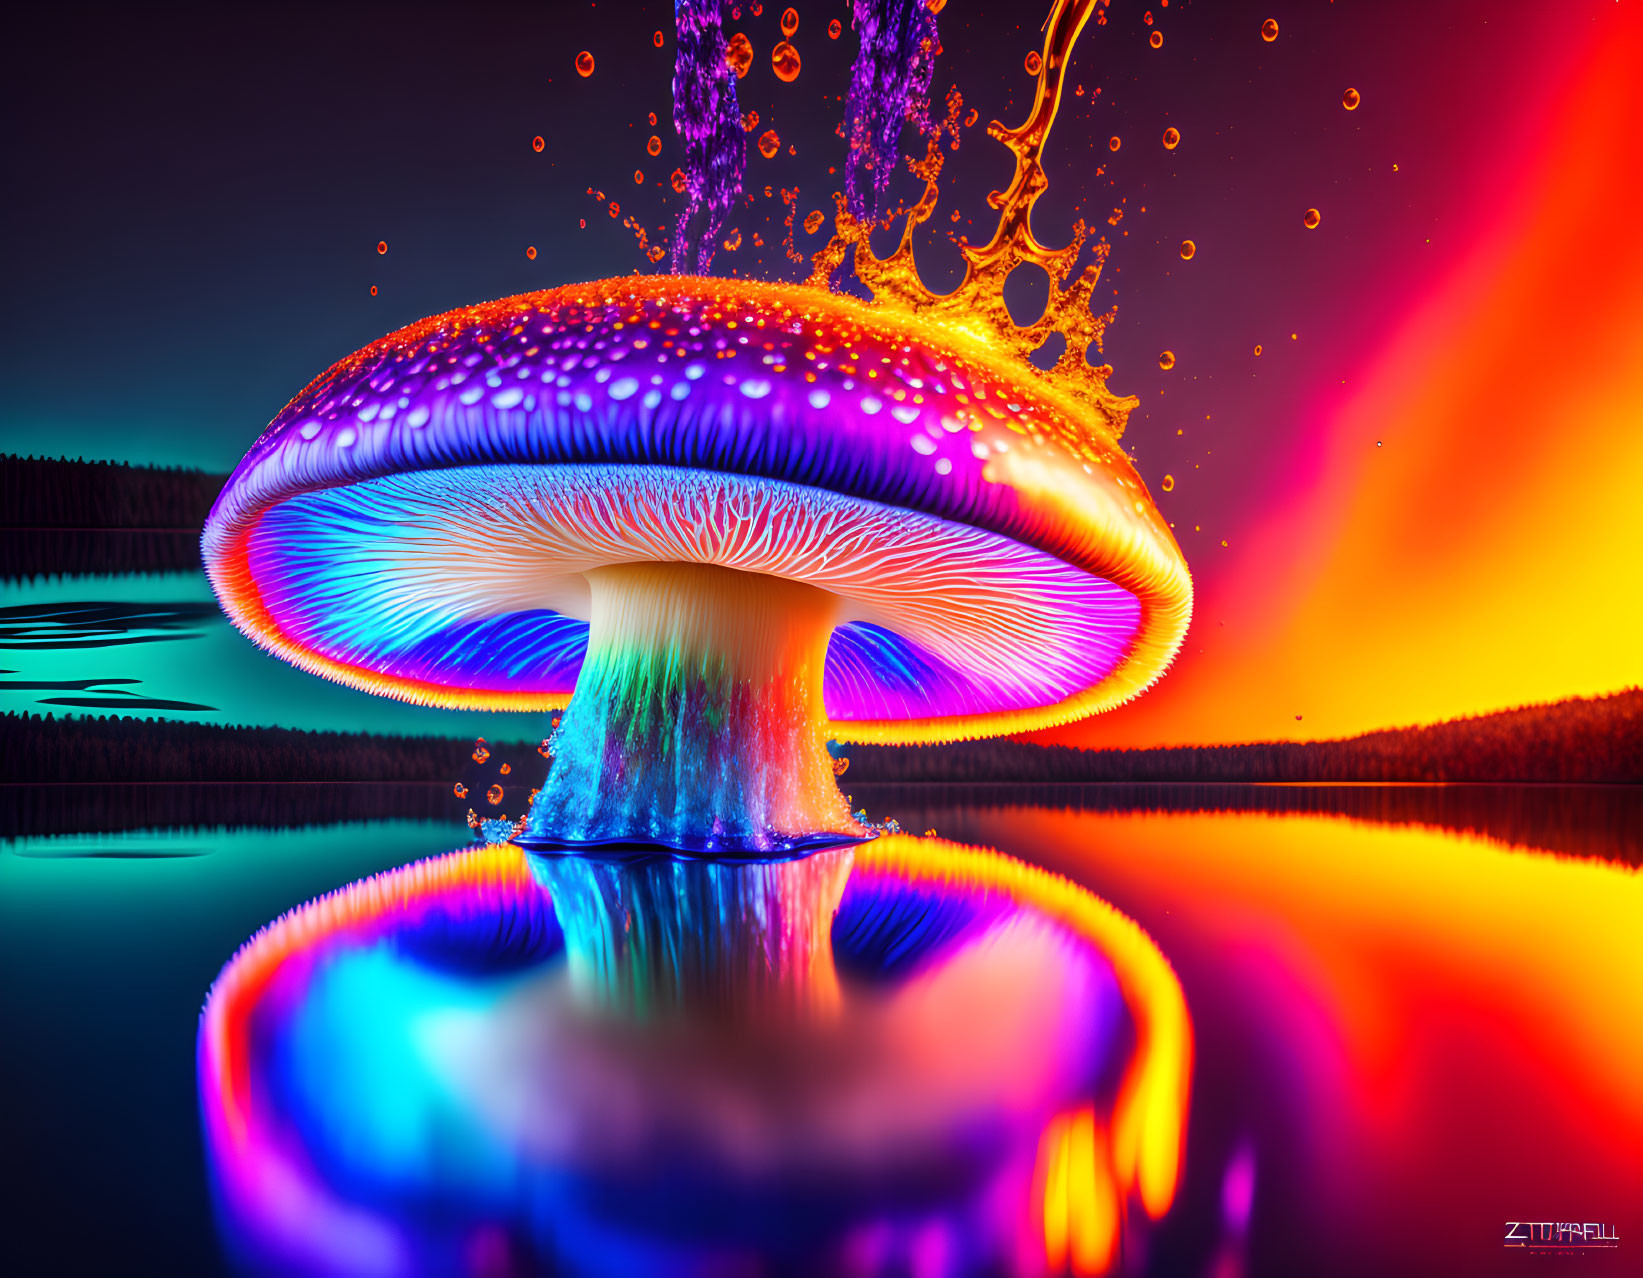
(695,371)
(346,437)
(869,405)
(755,388)
(472,394)
(944,465)
(680,390)
(820,398)
(906,414)
(923,444)
(507,398)
(418,416)
(623,387)
(652,398)
(308,429)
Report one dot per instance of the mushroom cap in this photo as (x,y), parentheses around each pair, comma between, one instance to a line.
(417,520)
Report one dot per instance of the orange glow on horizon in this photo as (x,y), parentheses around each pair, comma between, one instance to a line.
(1467,536)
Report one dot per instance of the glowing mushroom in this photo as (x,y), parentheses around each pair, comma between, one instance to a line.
(736,519)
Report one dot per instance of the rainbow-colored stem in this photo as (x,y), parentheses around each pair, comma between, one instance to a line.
(697,722)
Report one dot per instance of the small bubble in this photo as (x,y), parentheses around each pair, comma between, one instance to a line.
(493,796)
(970,119)
(1166,360)
(790,22)
(505,769)
(537,143)
(1172,139)
(1377,443)
(1156,39)
(382,246)
(654,146)
(481,751)
(373,290)
(733,241)
(841,765)
(1114,142)
(657,39)
(1034,64)
(930,833)
(584,64)
(1269,30)
(739,54)
(530,252)
(1169,484)
(460,790)
(1350,99)
(834,29)
(678,180)
(1188,248)
(784,61)
(1312,218)
(638,177)
(1257,348)
(769,144)
(812,223)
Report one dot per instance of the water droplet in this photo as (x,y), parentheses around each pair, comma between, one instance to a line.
(769,143)
(654,146)
(1377,443)
(784,61)
(1172,139)
(584,64)
(537,143)
(841,765)
(1269,30)
(678,180)
(833,29)
(1312,218)
(657,39)
(482,751)
(530,252)
(790,21)
(382,246)
(970,120)
(812,223)
(493,796)
(1188,248)
(739,54)
(1034,64)
(1166,360)
(638,177)
(1156,39)
(935,6)
(1114,142)
(733,241)
(653,119)
(1169,484)
(1257,348)
(1350,99)
(506,768)
(373,290)
(460,790)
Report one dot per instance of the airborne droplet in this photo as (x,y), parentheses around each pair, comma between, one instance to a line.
(584,64)
(530,252)
(654,146)
(678,180)
(493,796)
(1312,218)
(1350,99)
(1257,348)
(833,29)
(537,144)
(739,54)
(382,246)
(1169,483)
(790,21)
(812,223)
(1172,139)
(373,290)
(657,39)
(1034,64)
(460,790)
(638,177)
(1269,30)
(1166,360)
(1114,142)
(733,241)
(1188,248)
(769,143)
(1156,39)
(481,751)
(784,61)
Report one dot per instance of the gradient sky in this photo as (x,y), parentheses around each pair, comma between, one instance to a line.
(196,202)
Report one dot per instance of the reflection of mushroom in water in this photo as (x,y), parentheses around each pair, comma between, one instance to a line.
(734,518)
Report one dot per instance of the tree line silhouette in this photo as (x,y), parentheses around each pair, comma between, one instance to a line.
(75,516)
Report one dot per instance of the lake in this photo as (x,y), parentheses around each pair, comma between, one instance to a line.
(1405,1038)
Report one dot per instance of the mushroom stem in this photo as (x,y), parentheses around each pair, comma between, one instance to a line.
(697,721)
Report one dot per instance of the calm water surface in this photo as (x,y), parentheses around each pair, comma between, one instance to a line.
(1405,1038)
